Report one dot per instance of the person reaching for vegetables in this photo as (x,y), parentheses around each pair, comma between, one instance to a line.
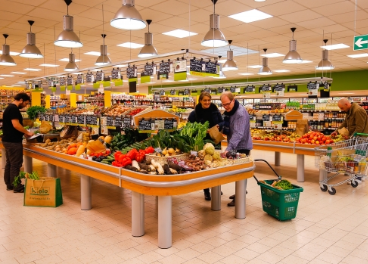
(206,111)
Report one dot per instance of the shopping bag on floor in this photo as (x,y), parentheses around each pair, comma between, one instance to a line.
(45,192)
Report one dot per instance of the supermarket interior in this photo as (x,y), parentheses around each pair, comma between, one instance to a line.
(180,131)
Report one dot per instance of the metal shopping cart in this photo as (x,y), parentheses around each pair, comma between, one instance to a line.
(347,158)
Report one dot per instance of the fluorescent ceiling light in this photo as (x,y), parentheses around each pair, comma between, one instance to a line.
(255,66)
(67,59)
(131,45)
(306,61)
(93,53)
(272,55)
(246,73)
(31,69)
(121,65)
(335,46)
(180,33)
(281,71)
(49,65)
(237,51)
(11,53)
(1,78)
(6,75)
(220,61)
(250,16)
(358,55)
(18,72)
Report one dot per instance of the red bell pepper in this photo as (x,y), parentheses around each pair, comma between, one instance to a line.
(117,154)
(126,161)
(132,154)
(121,158)
(149,150)
(140,156)
(116,164)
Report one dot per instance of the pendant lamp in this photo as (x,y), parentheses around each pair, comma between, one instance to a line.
(325,64)
(71,66)
(128,17)
(5,58)
(214,37)
(265,70)
(292,56)
(230,64)
(103,59)
(31,50)
(148,49)
(67,38)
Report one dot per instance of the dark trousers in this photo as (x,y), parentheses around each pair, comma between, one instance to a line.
(14,161)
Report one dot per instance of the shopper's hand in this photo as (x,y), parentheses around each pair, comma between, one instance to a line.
(223,154)
(29,134)
(334,134)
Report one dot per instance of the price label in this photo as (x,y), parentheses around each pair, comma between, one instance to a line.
(74,120)
(109,121)
(118,122)
(212,67)
(277,118)
(92,120)
(266,117)
(68,119)
(62,119)
(80,120)
(126,122)
(41,117)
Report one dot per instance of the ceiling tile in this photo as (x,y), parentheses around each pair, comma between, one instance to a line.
(282,8)
(305,15)
(172,7)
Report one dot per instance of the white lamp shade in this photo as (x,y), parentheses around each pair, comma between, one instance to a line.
(128,17)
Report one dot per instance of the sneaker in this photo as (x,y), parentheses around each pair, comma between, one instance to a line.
(9,188)
(232,203)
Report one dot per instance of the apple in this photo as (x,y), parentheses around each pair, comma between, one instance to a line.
(317,142)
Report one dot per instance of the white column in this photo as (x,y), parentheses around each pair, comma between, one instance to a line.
(51,170)
(240,196)
(164,221)
(300,167)
(137,214)
(216,198)
(28,166)
(86,195)
(277,158)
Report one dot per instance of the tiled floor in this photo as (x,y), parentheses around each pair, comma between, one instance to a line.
(327,229)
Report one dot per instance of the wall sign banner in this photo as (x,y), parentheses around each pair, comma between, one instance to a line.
(53,89)
(266,88)
(62,81)
(77,87)
(172,92)
(213,91)
(180,66)
(145,79)
(99,76)
(79,79)
(115,74)
(90,78)
(312,89)
(131,72)
(180,76)
(279,89)
(69,87)
(69,80)
(250,89)
(62,88)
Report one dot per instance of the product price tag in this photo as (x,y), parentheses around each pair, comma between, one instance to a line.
(127,122)
(74,120)
(292,88)
(212,67)
(41,117)
(266,118)
(109,121)
(68,119)
(81,120)
(118,122)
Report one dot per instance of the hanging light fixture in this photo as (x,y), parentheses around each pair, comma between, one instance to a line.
(148,49)
(5,58)
(128,17)
(214,37)
(71,66)
(230,64)
(292,56)
(103,59)
(265,70)
(31,50)
(67,38)
(325,64)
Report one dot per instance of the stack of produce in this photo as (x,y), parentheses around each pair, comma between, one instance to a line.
(315,138)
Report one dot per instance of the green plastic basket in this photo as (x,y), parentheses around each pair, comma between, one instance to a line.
(281,204)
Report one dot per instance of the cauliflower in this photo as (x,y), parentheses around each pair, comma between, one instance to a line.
(208,157)
(201,154)
(216,155)
(209,148)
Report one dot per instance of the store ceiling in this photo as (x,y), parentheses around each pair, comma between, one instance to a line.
(335,17)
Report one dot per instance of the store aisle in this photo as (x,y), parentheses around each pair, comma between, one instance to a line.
(327,229)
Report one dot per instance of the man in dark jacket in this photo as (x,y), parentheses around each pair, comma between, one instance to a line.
(13,132)
(356,120)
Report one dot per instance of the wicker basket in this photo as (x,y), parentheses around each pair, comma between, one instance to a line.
(163,160)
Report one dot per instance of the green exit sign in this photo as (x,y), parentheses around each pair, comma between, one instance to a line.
(361,42)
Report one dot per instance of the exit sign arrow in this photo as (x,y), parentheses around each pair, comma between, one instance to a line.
(361,42)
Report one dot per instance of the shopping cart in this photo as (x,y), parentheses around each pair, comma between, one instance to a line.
(347,158)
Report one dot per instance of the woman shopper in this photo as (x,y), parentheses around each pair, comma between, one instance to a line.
(206,111)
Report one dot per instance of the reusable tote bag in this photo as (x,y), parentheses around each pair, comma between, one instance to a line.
(45,192)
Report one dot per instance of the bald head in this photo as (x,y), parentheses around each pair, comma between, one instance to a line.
(344,104)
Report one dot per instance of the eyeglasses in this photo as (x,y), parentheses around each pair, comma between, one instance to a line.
(226,105)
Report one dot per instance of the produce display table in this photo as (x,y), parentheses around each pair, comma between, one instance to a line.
(163,186)
(282,147)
